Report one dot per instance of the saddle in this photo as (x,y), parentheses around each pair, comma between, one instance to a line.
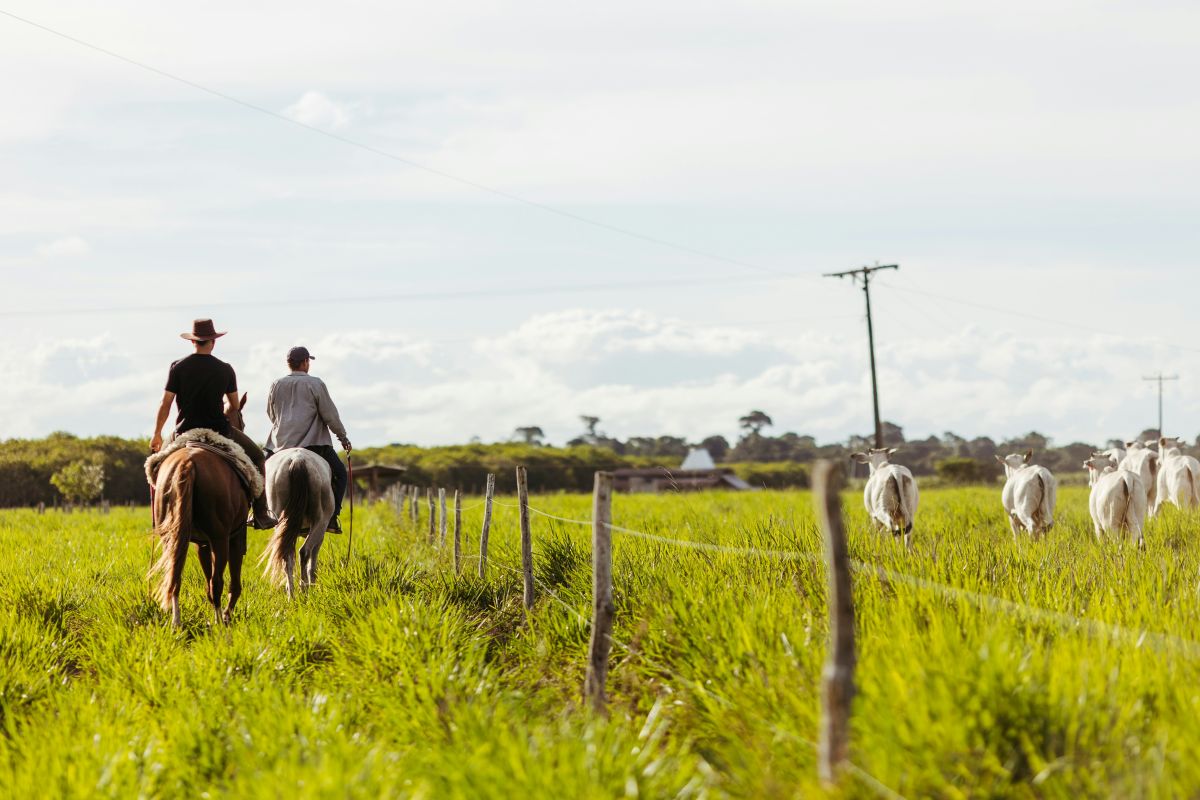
(213,442)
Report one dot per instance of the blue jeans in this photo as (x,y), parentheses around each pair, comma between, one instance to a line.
(330,455)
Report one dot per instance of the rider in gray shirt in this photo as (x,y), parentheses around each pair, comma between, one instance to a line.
(302,414)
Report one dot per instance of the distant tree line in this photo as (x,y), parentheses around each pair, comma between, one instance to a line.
(64,467)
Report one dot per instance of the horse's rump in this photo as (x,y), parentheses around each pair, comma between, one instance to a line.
(300,491)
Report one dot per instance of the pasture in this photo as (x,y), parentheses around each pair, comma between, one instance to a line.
(395,678)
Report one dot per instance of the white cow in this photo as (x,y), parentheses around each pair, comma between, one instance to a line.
(1178,477)
(890,495)
(1030,494)
(1118,499)
(1115,453)
(1142,461)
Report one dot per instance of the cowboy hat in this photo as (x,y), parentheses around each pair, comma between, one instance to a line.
(203,331)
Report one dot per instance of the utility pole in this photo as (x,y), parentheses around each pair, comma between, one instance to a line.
(1160,378)
(865,273)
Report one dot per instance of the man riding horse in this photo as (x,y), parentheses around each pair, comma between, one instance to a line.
(198,385)
(302,413)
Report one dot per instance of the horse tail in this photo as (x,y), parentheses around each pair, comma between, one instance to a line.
(296,514)
(173,510)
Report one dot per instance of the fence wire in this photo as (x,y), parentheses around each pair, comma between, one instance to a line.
(1158,642)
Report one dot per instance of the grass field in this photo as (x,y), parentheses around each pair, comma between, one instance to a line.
(394,678)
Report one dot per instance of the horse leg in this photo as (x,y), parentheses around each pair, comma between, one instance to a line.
(204,554)
(308,556)
(216,581)
(176,580)
(237,551)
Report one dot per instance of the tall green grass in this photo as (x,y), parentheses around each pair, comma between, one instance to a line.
(395,678)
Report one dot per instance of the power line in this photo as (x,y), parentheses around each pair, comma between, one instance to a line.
(402,160)
(674,284)
(1024,315)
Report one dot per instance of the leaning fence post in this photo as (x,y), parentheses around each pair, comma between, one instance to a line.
(526,536)
(432,513)
(457,532)
(488,493)
(442,519)
(602,602)
(837,679)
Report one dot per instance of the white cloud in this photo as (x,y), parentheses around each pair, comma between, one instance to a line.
(395,387)
(316,109)
(66,247)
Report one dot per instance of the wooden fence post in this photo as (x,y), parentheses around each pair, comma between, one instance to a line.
(432,513)
(526,535)
(414,506)
(457,532)
(488,493)
(442,519)
(837,679)
(602,602)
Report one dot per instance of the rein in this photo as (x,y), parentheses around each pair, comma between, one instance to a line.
(350,495)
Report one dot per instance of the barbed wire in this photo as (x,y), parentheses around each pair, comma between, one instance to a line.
(1159,642)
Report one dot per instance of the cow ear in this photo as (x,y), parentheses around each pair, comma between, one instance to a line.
(1028,455)
(998,458)
(1129,445)
(891,450)
(860,458)
(242,404)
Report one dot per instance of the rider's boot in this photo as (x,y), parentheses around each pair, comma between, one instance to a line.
(334,526)
(260,517)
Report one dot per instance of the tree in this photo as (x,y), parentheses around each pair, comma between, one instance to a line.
(754,422)
(79,481)
(1148,435)
(717,447)
(530,434)
(590,423)
(893,434)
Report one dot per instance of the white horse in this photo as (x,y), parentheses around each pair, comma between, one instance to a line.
(300,494)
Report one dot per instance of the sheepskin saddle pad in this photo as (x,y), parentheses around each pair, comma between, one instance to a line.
(206,439)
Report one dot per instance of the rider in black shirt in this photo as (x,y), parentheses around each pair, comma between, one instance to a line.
(198,385)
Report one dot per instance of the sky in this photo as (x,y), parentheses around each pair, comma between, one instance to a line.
(528,212)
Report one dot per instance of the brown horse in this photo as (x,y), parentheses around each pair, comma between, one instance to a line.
(199,498)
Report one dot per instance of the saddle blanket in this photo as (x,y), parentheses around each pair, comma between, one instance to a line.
(206,439)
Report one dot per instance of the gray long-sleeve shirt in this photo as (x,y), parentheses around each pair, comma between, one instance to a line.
(302,413)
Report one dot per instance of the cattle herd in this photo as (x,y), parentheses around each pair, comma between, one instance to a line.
(1125,486)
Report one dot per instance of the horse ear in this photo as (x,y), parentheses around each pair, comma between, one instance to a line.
(242,404)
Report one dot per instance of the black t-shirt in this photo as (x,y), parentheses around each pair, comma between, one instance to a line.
(200,383)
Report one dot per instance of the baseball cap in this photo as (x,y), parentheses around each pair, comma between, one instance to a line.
(299,354)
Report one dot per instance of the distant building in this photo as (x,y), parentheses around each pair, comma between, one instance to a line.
(697,473)
(378,478)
